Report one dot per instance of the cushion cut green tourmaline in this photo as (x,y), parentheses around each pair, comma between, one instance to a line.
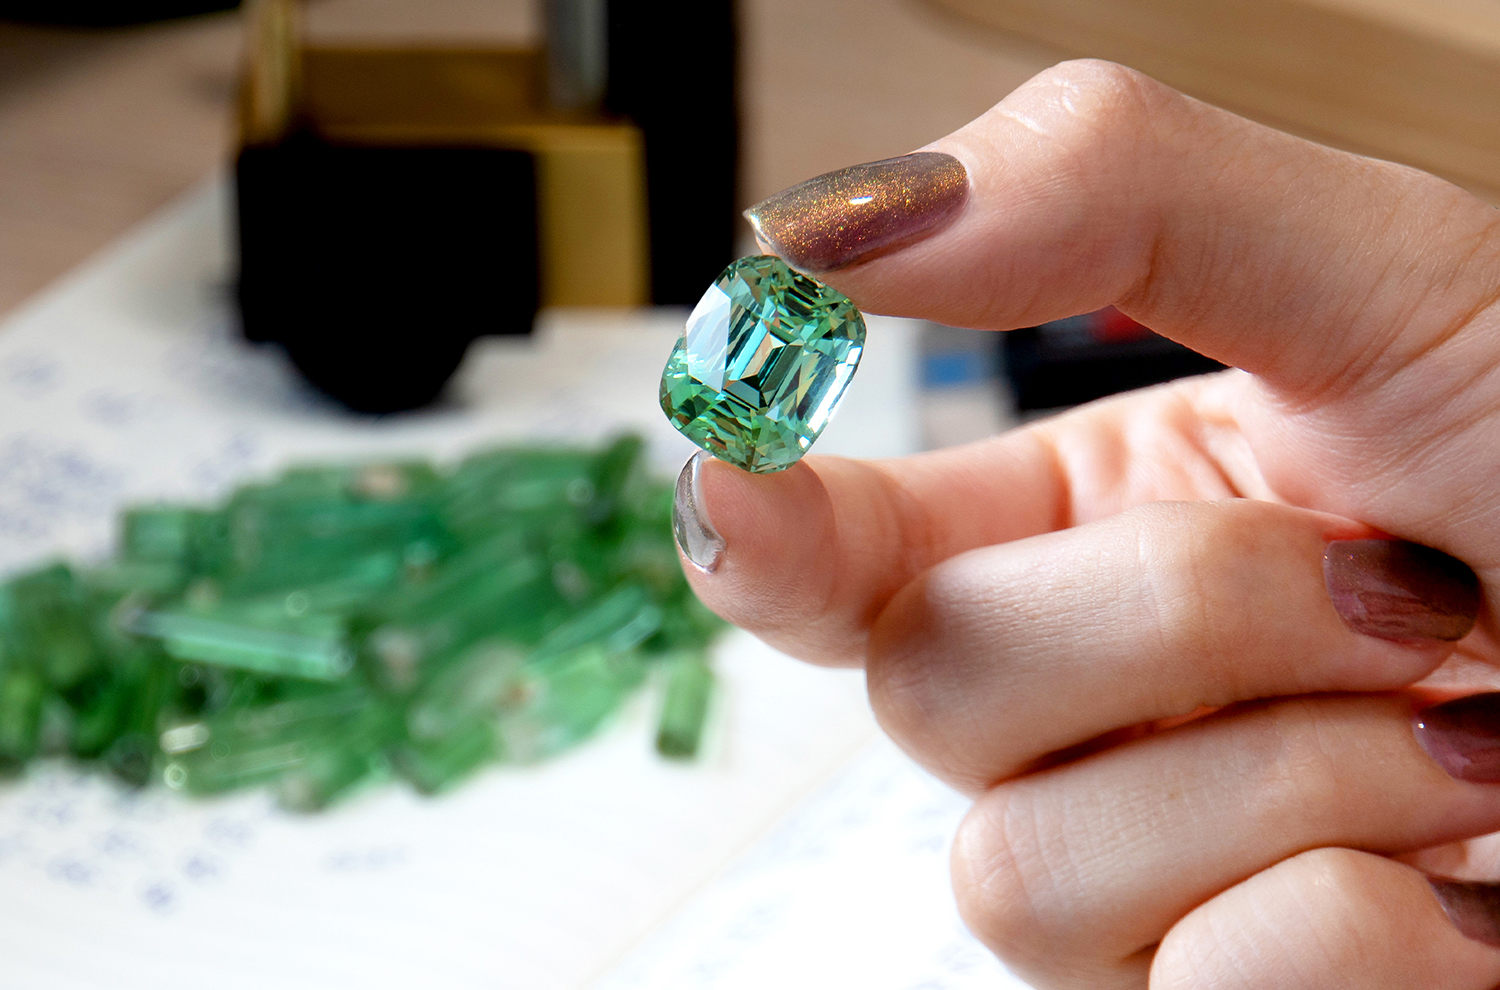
(761,365)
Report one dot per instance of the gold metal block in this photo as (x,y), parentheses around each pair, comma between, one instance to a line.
(591,184)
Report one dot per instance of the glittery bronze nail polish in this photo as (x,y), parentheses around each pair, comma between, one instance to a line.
(862,211)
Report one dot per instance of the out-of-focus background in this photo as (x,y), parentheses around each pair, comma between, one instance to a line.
(102,125)
(330,339)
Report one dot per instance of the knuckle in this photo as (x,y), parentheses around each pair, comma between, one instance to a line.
(1256,934)
(1099,102)
(1188,962)
(1194,585)
(1004,883)
(1346,891)
(1293,754)
(1101,76)
(1330,871)
(1337,891)
(1181,588)
(1196,955)
(916,681)
(936,657)
(1318,748)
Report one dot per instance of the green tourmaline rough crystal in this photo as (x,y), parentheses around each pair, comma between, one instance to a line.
(761,365)
(339,625)
(684,708)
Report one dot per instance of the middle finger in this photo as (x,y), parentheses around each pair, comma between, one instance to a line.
(999,657)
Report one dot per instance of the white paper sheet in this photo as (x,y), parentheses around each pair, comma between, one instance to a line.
(850,890)
(127,383)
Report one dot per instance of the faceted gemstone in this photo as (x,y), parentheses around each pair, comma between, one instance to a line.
(762,364)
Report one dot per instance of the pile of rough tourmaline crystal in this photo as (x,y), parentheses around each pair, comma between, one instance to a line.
(343,624)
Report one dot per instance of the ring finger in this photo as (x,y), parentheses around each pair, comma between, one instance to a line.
(1335,918)
(1083,868)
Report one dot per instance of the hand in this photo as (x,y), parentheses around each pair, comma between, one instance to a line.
(1192,750)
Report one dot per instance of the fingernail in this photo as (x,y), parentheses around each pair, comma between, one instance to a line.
(1396,590)
(861,211)
(1474,908)
(696,536)
(1463,736)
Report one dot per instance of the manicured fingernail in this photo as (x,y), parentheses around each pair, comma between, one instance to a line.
(862,211)
(1400,591)
(1474,908)
(1463,736)
(696,536)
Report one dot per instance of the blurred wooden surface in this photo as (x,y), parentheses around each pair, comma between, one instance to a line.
(97,130)
(100,128)
(1415,81)
(828,83)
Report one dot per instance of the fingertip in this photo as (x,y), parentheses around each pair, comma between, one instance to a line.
(807,558)
(1472,907)
(752,510)
(848,216)
(698,540)
(764,568)
(1401,591)
(1335,917)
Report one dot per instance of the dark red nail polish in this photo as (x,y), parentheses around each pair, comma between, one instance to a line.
(1402,591)
(1474,908)
(1463,736)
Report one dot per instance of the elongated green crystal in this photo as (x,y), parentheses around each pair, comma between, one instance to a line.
(433,766)
(48,623)
(762,364)
(273,637)
(684,708)
(22,692)
(327,775)
(316,746)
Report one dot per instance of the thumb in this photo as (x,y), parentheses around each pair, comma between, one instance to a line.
(1093,184)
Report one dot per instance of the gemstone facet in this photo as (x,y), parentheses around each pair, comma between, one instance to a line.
(762,364)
